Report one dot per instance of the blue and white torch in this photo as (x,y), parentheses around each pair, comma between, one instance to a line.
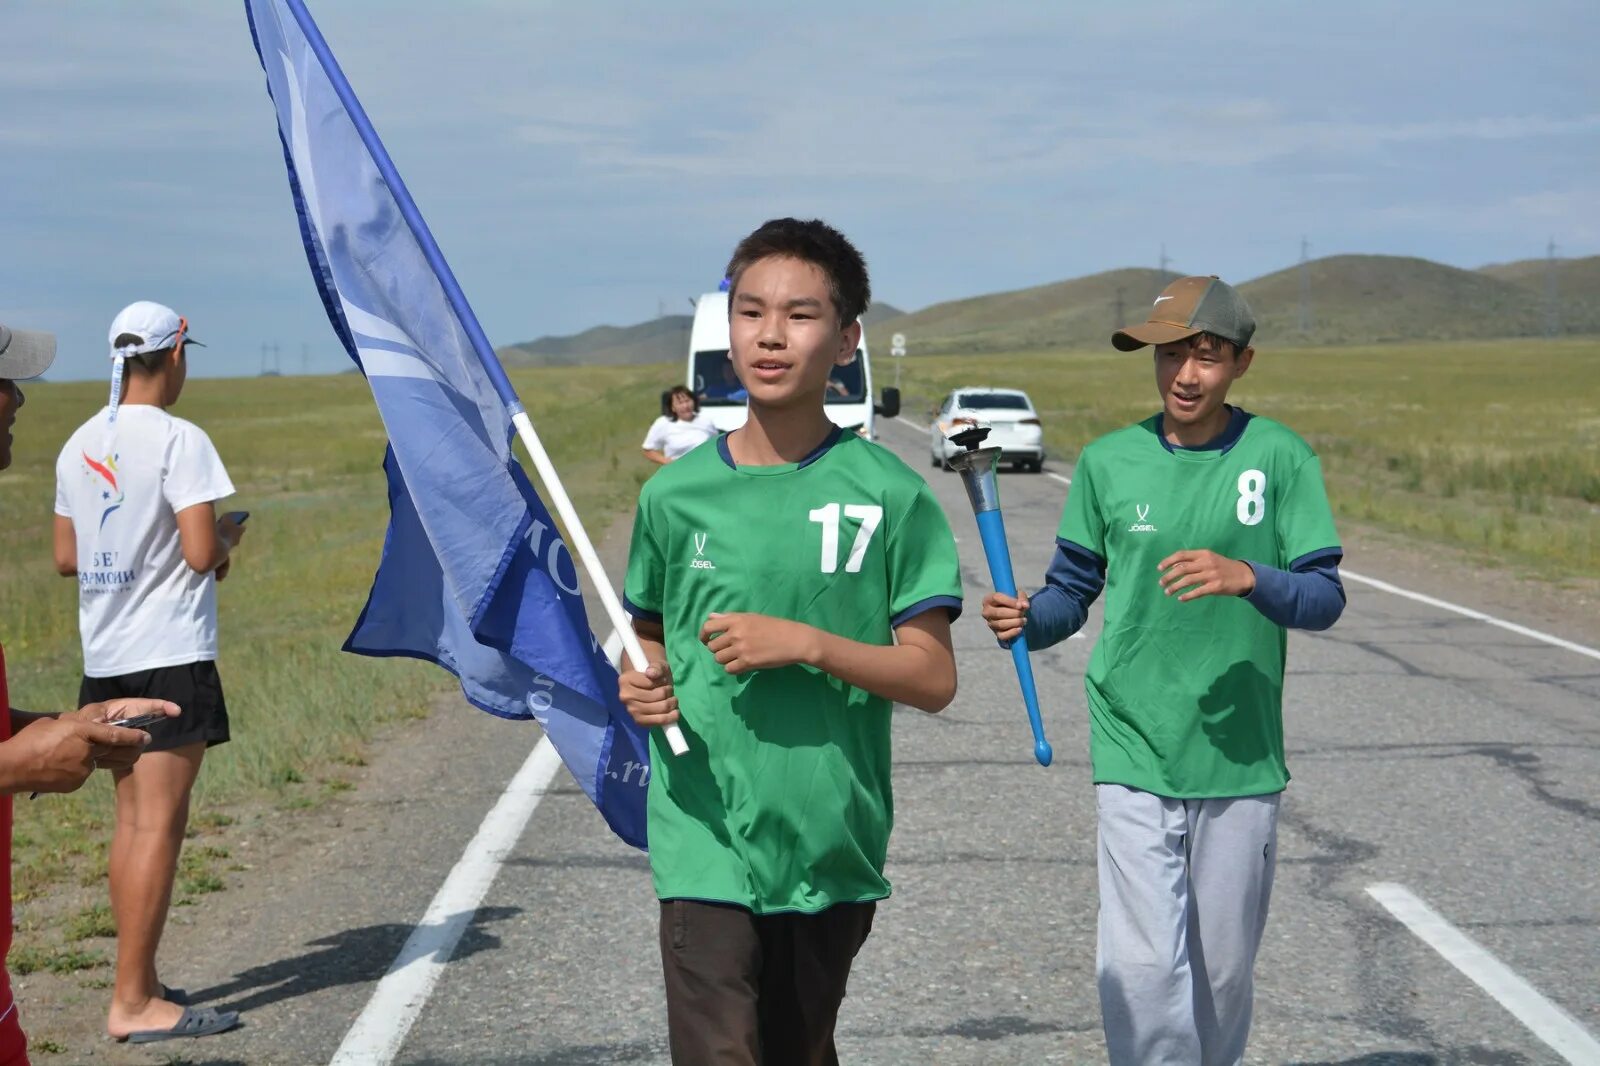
(977,467)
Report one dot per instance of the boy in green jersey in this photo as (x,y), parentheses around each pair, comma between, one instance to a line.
(790,582)
(1210,532)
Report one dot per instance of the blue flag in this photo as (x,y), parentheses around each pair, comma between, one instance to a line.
(474,575)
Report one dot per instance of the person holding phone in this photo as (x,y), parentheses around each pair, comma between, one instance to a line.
(136,524)
(47,752)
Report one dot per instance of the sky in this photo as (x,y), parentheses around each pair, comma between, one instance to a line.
(594,163)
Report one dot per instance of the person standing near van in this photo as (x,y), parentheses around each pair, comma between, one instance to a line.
(680,431)
(136,524)
(1210,531)
(789,583)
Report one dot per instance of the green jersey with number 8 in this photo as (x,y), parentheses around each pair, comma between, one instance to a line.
(783,802)
(1186,699)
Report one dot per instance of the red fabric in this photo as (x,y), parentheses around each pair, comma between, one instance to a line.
(5,876)
(13,1041)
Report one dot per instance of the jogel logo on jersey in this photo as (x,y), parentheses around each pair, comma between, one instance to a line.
(700,562)
(1143,524)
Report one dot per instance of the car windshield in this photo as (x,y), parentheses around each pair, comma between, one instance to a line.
(844,382)
(715,382)
(718,386)
(993,401)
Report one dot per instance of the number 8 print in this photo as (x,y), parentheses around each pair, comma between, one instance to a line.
(1252,506)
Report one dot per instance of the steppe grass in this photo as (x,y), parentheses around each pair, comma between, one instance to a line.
(1491,446)
(305,455)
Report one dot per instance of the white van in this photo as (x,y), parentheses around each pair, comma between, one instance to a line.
(711,377)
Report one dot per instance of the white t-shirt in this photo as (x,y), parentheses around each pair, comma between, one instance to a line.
(675,438)
(140,606)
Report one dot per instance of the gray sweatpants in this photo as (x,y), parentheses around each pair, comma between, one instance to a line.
(1184,887)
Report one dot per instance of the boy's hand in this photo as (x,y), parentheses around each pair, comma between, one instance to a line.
(743,642)
(1006,615)
(1205,573)
(648,695)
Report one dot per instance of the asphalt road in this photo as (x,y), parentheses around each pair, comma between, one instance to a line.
(1428,750)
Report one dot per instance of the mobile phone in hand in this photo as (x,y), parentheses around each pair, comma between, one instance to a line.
(237,517)
(140,721)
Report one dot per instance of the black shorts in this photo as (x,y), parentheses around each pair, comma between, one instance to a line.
(195,687)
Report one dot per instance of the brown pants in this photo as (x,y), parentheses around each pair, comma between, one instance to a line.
(756,990)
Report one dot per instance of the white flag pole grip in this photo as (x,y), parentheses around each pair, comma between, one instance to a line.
(587,555)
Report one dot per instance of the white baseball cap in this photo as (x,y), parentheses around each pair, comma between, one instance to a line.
(25,353)
(157,326)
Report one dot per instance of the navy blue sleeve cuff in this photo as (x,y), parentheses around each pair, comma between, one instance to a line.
(639,612)
(1308,596)
(1059,609)
(951,603)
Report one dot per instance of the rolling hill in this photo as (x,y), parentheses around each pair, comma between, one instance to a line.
(1577,288)
(659,340)
(1354,299)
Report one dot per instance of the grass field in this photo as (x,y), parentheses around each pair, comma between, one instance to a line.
(305,454)
(1492,446)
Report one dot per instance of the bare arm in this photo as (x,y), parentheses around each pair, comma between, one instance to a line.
(656,456)
(919,670)
(206,541)
(66,547)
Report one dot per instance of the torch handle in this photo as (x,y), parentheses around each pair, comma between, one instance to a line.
(992,528)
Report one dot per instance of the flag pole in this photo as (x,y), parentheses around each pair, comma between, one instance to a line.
(481,348)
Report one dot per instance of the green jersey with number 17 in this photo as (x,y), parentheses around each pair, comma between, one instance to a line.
(1186,699)
(783,802)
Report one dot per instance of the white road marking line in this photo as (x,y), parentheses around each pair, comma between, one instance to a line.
(380,1031)
(1544,1019)
(1446,605)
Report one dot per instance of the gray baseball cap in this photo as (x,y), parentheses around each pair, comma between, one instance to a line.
(25,353)
(1189,306)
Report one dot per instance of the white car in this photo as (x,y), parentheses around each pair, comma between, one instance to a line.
(1013,426)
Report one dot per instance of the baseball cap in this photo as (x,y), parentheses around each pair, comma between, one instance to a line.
(25,353)
(1189,306)
(157,326)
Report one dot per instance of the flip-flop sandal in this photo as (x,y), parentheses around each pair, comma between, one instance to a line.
(174,995)
(196,1021)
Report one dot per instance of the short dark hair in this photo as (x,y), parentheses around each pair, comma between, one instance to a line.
(674,392)
(146,362)
(1213,342)
(813,242)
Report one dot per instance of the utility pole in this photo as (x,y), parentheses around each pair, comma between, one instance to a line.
(1165,262)
(1305,286)
(277,366)
(1552,295)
